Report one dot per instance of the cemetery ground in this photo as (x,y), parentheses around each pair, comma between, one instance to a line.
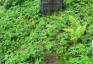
(29,37)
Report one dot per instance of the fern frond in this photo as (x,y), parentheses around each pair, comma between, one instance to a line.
(76,30)
(74,22)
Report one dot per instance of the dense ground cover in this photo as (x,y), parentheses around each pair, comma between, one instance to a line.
(23,29)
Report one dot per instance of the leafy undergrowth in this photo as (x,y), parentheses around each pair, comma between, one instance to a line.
(68,32)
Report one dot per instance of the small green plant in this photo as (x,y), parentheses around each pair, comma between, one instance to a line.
(76,30)
(90,31)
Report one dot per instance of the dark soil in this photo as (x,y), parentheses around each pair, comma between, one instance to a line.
(50,58)
(2,3)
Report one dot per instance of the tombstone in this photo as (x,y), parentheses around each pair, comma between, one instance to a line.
(92,46)
(50,6)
